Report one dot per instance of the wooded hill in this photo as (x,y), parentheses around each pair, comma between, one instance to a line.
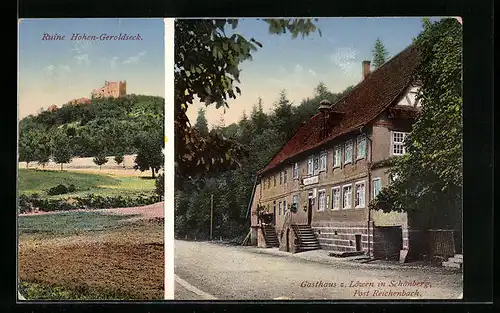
(105,127)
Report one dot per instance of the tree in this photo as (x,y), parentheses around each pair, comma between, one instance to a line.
(43,150)
(430,175)
(283,116)
(258,117)
(201,122)
(119,159)
(100,159)
(207,67)
(322,92)
(61,149)
(149,152)
(380,54)
(27,146)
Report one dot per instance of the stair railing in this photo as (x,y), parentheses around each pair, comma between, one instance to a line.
(288,218)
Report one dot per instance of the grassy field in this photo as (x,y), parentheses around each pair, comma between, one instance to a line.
(37,181)
(69,223)
(90,256)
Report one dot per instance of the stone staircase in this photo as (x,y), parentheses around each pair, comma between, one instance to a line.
(307,238)
(456,262)
(270,236)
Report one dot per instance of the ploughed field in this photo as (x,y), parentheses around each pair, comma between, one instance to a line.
(91,256)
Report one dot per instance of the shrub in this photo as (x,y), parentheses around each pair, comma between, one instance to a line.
(71,188)
(160,186)
(27,203)
(57,190)
(24,204)
(119,159)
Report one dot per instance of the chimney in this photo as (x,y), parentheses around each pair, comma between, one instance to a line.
(366,69)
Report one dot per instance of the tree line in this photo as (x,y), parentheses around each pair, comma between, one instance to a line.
(111,126)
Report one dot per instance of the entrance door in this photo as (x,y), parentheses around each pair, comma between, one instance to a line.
(309,211)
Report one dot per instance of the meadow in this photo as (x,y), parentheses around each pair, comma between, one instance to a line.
(32,181)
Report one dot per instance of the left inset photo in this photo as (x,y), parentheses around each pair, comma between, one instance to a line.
(91,137)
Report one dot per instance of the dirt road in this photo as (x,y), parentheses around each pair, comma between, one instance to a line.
(239,273)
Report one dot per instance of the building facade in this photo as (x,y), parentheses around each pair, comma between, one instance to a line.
(334,166)
(111,89)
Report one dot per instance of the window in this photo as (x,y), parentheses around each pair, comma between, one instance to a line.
(310,167)
(322,161)
(284,207)
(336,198)
(337,156)
(397,146)
(321,200)
(348,152)
(361,147)
(281,178)
(316,162)
(359,200)
(377,185)
(279,207)
(295,172)
(284,177)
(347,197)
(295,200)
(274,176)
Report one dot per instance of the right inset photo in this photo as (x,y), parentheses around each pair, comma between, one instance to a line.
(318,159)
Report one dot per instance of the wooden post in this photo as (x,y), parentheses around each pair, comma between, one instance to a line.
(211,213)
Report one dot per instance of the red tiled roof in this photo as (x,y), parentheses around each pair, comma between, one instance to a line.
(364,103)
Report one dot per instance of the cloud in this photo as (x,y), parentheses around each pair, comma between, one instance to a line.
(298,69)
(344,58)
(52,71)
(114,61)
(135,59)
(293,76)
(81,52)
(82,58)
(65,68)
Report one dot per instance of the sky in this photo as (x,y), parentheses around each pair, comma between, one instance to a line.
(57,71)
(298,65)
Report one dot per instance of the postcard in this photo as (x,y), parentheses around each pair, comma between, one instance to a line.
(318,159)
(91,159)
